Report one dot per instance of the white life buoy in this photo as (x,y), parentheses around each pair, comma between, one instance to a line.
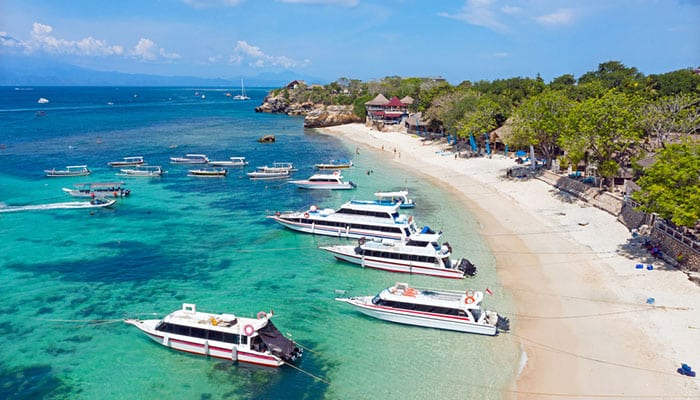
(306,215)
(262,314)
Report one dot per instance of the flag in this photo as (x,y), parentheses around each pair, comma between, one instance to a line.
(489,291)
(272,312)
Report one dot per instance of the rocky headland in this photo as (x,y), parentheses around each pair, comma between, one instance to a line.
(316,115)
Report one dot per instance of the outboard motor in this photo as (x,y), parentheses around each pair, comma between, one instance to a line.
(503,323)
(467,267)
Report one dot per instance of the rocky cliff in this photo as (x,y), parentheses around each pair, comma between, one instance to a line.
(315,115)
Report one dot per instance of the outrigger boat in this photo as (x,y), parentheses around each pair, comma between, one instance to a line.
(190,159)
(98,189)
(268,174)
(351,220)
(224,336)
(441,309)
(278,167)
(332,181)
(334,164)
(127,162)
(71,170)
(142,171)
(232,162)
(420,254)
(97,202)
(208,172)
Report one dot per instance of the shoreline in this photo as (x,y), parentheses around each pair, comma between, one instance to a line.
(581,304)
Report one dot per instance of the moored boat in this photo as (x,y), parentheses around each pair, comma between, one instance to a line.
(334,164)
(400,197)
(350,221)
(142,171)
(208,172)
(268,174)
(224,336)
(420,254)
(127,162)
(433,308)
(97,202)
(98,189)
(232,162)
(190,159)
(332,181)
(278,167)
(71,170)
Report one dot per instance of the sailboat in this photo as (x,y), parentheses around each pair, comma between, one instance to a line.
(241,96)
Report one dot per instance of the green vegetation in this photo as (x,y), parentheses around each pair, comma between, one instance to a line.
(603,121)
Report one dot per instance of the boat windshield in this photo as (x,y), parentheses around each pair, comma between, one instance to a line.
(376,300)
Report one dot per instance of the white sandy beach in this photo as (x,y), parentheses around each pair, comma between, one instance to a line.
(582,316)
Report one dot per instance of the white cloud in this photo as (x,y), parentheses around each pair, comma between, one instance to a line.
(147,50)
(342,3)
(480,13)
(42,40)
(559,17)
(255,57)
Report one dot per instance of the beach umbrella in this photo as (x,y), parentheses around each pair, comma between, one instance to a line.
(486,140)
(506,152)
(472,142)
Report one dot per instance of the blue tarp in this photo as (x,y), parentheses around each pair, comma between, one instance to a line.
(520,153)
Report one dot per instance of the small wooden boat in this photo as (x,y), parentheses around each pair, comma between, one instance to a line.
(71,170)
(232,162)
(142,171)
(335,164)
(98,189)
(208,172)
(260,174)
(190,159)
(127,162)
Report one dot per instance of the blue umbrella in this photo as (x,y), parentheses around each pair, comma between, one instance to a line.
(521,153)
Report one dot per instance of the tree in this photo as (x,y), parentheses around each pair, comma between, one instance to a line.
(540,120)
(671,186)
(614,74)
(676,82)
(607,128)
(482,119)
(671,114)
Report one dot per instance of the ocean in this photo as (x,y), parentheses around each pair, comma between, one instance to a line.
(68,278)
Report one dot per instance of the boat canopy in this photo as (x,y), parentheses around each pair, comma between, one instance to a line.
(276,342)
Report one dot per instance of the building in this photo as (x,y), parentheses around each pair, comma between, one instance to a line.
(387,112)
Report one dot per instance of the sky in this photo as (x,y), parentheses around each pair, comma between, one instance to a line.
(359,39)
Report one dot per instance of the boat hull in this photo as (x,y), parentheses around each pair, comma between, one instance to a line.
(203,347)
(334,231)
(417,318)
(347,254)
(326,186)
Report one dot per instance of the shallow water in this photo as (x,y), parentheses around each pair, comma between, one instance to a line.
(69,277)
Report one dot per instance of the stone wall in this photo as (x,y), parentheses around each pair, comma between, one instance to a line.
(673,244)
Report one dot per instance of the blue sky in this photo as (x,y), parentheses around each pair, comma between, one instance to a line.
(362,39)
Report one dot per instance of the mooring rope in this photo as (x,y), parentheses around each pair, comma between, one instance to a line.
(318,378)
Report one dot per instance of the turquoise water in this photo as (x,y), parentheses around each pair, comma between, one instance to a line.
(68,277)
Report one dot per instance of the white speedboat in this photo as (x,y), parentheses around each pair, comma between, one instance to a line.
(232,162)
(142,171)
(350,221)
(400,197)
(421,254)
(190,159)
(332,181)
(208,172)
(334,164)
(71,170)
(98,189)
(127,162)
(441,309)
(224,336)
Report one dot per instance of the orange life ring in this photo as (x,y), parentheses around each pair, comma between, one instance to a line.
(278,213)
(469,300)
(262,314)
(306,215)
(248,330)
(361,241)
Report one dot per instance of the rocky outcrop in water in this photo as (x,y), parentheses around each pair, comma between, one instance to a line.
(315,115)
